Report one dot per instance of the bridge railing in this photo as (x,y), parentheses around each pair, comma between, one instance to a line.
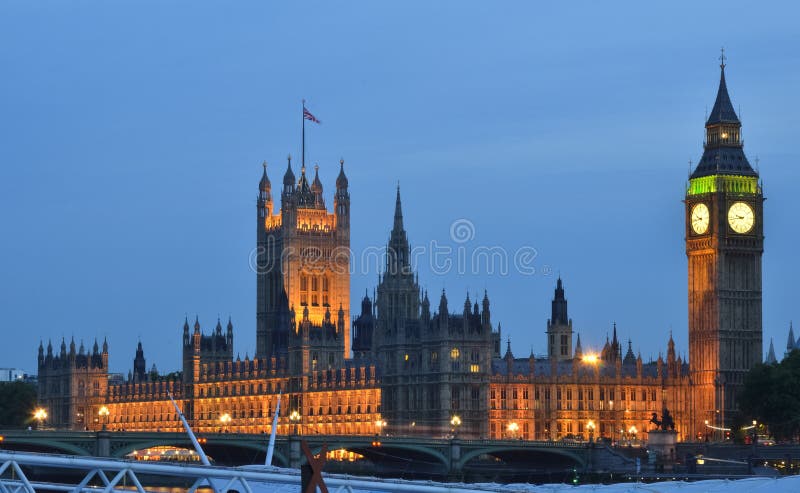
(111,472)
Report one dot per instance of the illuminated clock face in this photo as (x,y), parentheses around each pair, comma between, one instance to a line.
(741,217)
(700,217)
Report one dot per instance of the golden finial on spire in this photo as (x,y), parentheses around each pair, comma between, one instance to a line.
(722,58)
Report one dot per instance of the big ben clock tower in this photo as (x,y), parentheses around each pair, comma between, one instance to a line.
(724,244)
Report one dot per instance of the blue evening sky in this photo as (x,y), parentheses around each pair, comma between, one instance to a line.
(132,136)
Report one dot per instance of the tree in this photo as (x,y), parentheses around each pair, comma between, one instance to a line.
(771,395)
(17,400)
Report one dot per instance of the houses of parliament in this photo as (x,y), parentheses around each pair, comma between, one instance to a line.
(415,363)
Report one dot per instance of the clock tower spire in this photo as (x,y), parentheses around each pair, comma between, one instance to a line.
(724,243)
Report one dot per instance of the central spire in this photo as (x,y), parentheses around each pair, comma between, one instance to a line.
(398,213)
(397,258)
(723,152)
(723,111)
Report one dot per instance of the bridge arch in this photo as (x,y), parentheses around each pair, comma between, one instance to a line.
(388,446)
(51,446)
(278,456)
(494,451)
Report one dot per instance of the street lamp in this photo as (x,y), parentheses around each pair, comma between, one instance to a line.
(39,415)
(590,428)
(295,419)
(225,419)
(103,413)
(512,429)
(380,424)
(632,431)
(455,422)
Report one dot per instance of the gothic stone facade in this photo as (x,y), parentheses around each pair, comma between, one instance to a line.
(403,368)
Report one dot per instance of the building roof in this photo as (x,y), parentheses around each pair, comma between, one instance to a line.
(723,111)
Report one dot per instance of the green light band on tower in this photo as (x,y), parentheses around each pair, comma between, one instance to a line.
(723,183)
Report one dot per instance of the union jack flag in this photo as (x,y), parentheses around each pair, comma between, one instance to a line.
(308,116)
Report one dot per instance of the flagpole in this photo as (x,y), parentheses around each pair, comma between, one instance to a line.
(303,154)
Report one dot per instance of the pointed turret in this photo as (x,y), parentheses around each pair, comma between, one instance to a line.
(316,185)
(302,183)
(486,318)
(340,323)
(630,358)
(509,356)
(104,354)
(264,202)
(186,340)
(264,186)
(397,261)
(288,177)
(218,328)
(559,326)
(398,213)
(426,307)
(672,362)
(443,305)
(139,365)
(723,151)
(605,353)
(771,360)
(341,201)
(196,324)
(559,305)
(341,180)
(578,348)
(316,189)
(723,111)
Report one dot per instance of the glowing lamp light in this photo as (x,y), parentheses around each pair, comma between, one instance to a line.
(225,419)
(513,427)
(591,359)
(456,421)
(590,426)
(632,430)
(103,411)
(40,414)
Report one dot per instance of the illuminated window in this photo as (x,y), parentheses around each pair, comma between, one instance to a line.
(325,284)
(475,368)
(455,353)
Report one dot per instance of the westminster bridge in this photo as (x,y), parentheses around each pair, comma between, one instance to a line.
(421,456)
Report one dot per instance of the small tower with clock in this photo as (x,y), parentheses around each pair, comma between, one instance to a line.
(724,244)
